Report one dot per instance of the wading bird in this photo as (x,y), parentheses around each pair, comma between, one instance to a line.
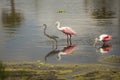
(103,38)
(66,30)
(53,37)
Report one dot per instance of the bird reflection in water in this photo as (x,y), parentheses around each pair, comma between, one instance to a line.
(51,53)
(52,37)
(66,51)
(105,48)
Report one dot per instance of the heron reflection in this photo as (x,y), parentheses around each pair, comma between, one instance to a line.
(67,50)
(52,37)
(51,53)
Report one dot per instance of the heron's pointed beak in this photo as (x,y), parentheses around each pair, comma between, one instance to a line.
(96,40)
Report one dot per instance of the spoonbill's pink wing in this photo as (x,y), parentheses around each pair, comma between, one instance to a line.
(68,30)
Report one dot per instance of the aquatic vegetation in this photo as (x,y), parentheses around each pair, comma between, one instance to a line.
(102,13)
(99,75)
(2,71)
(110,59)
(40,63)
(61,11)
(45,71)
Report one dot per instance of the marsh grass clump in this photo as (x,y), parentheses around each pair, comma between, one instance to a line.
(61,11)
(99,75)
(46,71)
(110,59)
(2,71)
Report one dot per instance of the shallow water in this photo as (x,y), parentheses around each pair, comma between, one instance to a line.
(22,38)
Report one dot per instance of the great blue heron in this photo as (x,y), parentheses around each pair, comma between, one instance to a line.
(52,37)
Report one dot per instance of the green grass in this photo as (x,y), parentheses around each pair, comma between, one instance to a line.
(44,71)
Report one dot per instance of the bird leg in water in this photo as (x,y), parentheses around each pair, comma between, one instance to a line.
(67,39)
(70,40)
(54,44)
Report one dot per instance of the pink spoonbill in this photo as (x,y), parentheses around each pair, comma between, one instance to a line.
(66,30)
(104,38)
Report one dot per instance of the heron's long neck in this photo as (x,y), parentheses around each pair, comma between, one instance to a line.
(46,33)
(58,26)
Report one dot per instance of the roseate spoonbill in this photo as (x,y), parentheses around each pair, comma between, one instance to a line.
(66,51)
(104,38)
(66,30)
(53,37)
(105,48)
